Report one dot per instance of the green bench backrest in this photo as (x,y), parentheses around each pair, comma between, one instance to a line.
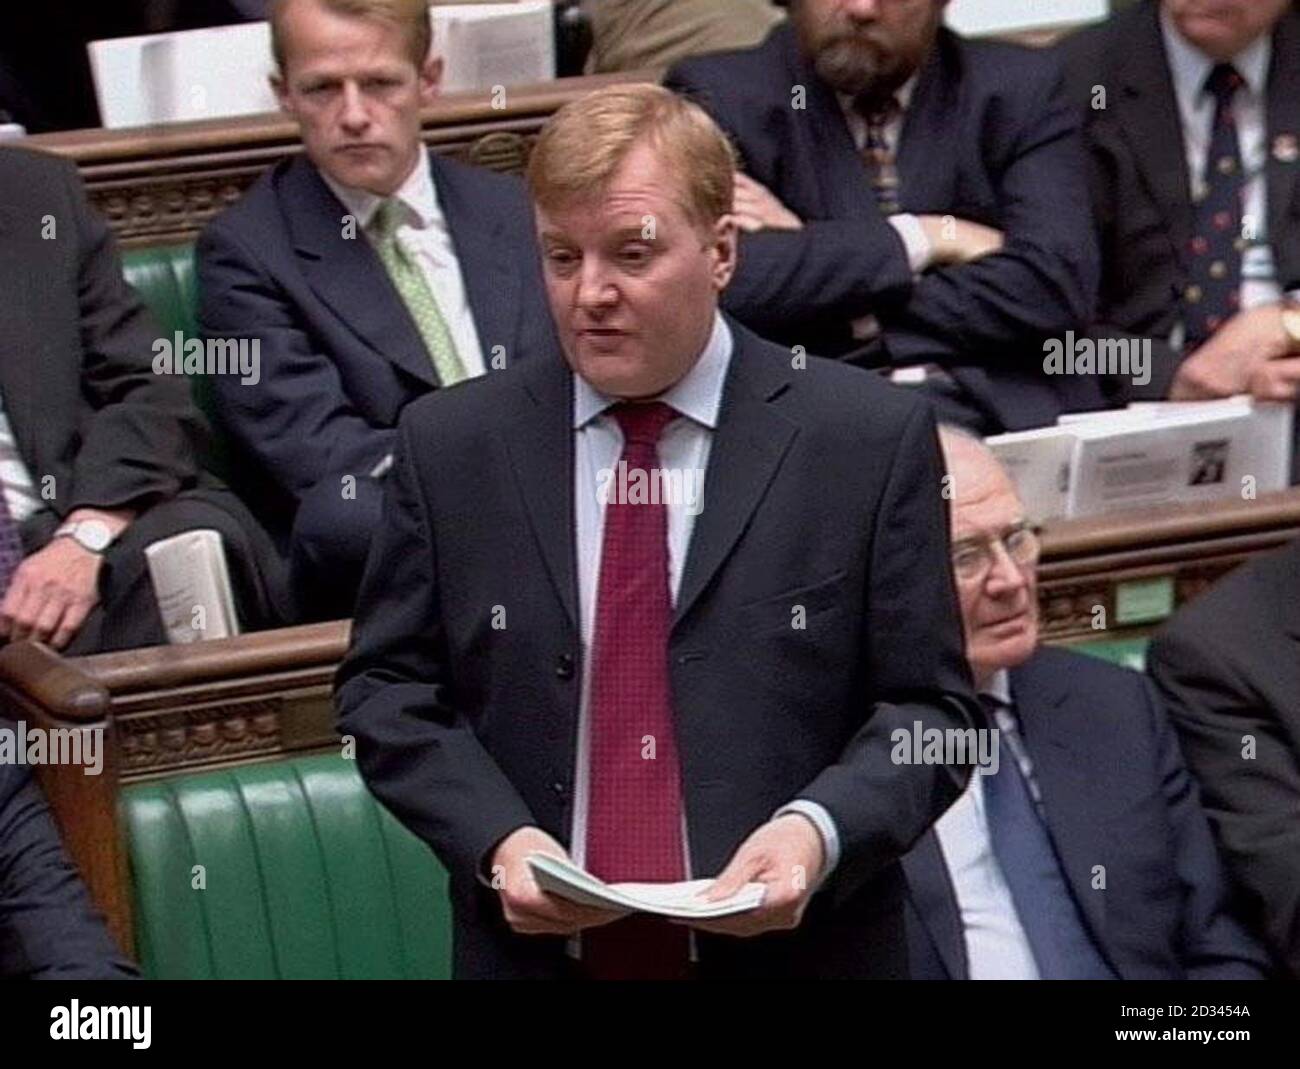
(303,876)
(165,278)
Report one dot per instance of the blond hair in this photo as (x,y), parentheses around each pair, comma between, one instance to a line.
(409,16)
(584,143)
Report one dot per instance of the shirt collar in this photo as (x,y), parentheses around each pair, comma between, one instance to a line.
(903,95)
(417,193)
(999,686)
(1190,66)
(697,395)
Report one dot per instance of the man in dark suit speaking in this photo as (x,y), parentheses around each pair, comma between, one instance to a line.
(670,684)
(911,200)
(371,271)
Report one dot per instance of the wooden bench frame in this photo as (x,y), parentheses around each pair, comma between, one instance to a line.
(160,185)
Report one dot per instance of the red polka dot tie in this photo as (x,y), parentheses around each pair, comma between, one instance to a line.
(634,815)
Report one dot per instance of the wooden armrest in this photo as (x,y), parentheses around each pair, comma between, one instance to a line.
(55,684)
(1167,524)
(284,649)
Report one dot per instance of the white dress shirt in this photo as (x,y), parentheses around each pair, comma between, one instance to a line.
(426,238)
(996,945)
(20,492)
(1190,67)
(684,446)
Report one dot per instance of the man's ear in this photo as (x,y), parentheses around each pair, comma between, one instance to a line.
(281,90)
(430,78)
(724,251)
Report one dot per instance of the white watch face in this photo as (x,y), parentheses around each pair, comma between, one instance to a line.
(94,535)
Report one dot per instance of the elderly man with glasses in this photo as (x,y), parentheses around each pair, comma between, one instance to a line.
(1081,852)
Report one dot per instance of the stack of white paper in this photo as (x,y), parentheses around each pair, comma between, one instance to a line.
(191,583)
(174,77)
(978,17)
(486,45)
(679,900)
(1150,453)
(223,71)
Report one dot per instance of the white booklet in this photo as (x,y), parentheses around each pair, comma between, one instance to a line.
(665,899)
(191,583)
(1151,453)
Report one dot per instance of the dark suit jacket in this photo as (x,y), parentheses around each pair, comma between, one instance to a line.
(1228,665)
(1116,794)
(467,731)
(341,355)
(76,346)
(1138,171)
(988,136)
(48,928)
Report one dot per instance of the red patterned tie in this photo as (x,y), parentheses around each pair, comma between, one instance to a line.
(634,817)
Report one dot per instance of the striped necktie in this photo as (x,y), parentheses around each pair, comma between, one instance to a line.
(413,288)
(879,155)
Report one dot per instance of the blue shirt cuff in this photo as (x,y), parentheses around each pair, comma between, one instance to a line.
(825,825)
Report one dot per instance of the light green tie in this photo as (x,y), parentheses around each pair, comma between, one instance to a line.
(414,290)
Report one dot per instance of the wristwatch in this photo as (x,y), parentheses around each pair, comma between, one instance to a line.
(1291,324)
(92,535)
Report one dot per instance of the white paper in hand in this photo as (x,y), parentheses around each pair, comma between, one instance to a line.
(679,900)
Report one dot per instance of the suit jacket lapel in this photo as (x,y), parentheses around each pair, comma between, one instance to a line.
(750,441)
(927,161)
(488,263)
(18,384)
(539,442)
(347,274)
(1149,115)
(936,902)
(1283,174)
(1062,768)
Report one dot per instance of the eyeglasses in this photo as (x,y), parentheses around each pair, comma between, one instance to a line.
(972,559)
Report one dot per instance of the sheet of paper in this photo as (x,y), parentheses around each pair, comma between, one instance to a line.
(679,900)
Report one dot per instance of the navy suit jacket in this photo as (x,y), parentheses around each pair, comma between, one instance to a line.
(988,136)
(341,355)
(48,928)
(1116,794)
(467,730)
(1141,190)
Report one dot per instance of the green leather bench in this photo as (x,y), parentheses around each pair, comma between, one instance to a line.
(281,870)
(164,276)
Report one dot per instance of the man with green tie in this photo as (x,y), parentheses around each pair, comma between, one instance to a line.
(368,270)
